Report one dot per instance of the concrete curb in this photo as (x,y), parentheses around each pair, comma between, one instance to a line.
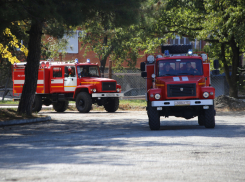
(24,121)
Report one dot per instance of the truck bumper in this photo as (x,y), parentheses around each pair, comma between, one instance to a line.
(107,94)
(166,103)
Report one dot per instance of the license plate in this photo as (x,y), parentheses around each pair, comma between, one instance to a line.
(110,95)
(182,103)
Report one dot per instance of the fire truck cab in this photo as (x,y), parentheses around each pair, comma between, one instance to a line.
(178,84)
(59,82)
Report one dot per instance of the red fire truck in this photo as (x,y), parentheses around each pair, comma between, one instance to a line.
(59,82)
(178,84)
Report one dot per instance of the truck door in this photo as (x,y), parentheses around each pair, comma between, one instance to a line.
(57,79)
(70,79)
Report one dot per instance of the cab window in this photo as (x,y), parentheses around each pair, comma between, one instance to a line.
(57,72)
(88,71)
(70,71)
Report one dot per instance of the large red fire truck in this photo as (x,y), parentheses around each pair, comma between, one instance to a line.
(178,84)
(59,82)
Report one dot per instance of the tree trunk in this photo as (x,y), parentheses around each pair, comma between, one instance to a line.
(31,69)
(231,79)
(102,65)
(6,85)
(233,91)
(104,58)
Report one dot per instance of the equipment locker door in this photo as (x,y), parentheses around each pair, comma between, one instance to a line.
(57,79)
(70,80)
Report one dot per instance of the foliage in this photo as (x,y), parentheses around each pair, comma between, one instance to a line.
(221,23)
(11,43)
(54,17)
(120,44)
(52,47)
(11,51)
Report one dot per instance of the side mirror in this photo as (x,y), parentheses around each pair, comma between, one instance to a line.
(216,64)
(144,74)
(215,72)
(142,66)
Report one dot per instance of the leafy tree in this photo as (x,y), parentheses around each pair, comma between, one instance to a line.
(118,44)
(9,54)
(53,17)
(121,43)
(52,48)
(219,22)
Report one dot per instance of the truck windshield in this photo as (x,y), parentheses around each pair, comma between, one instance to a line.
(175,67)
(88,71)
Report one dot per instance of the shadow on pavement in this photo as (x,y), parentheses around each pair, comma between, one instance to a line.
(96,141)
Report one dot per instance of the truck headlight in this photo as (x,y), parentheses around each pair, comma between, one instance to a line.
(205,94)
(157,96)
(118,89)
(94,90)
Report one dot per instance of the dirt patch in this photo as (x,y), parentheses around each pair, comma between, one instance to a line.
(11,114)
(226,103)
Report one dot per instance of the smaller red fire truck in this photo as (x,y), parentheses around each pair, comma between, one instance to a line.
(59,82)
(178,84)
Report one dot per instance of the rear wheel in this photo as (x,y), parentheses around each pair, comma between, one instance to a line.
(37,105)
(209,117)
(60,106)
(111,104)
(83,102)
(154,117)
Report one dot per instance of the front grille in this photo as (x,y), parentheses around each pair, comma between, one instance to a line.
(108,86)
(181,90)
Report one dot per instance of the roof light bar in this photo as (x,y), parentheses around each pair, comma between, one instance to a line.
(166,52)
(190,52)
(76,60)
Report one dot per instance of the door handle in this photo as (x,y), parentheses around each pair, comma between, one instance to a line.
(65,80)
(52,80)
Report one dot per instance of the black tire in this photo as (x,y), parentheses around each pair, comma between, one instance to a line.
(201,120)
(60,106)
(111,104)
(37,105)
(154,117)
(47,102)
(176,49)
(209,117)
(83,102)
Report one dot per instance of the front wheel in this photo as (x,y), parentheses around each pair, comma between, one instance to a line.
(111,104)
(209,117)
(83,102)
(154,117)
(60,106)
(201,120)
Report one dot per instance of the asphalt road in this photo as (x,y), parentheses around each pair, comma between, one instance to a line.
(99,146)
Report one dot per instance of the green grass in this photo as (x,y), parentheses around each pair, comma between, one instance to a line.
(134,103)
(123,104)
(139,103)
(9,102)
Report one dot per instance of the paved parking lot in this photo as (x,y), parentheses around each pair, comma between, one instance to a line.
(100,146)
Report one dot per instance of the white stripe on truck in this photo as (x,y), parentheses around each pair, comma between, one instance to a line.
(56,80)
(23,81)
